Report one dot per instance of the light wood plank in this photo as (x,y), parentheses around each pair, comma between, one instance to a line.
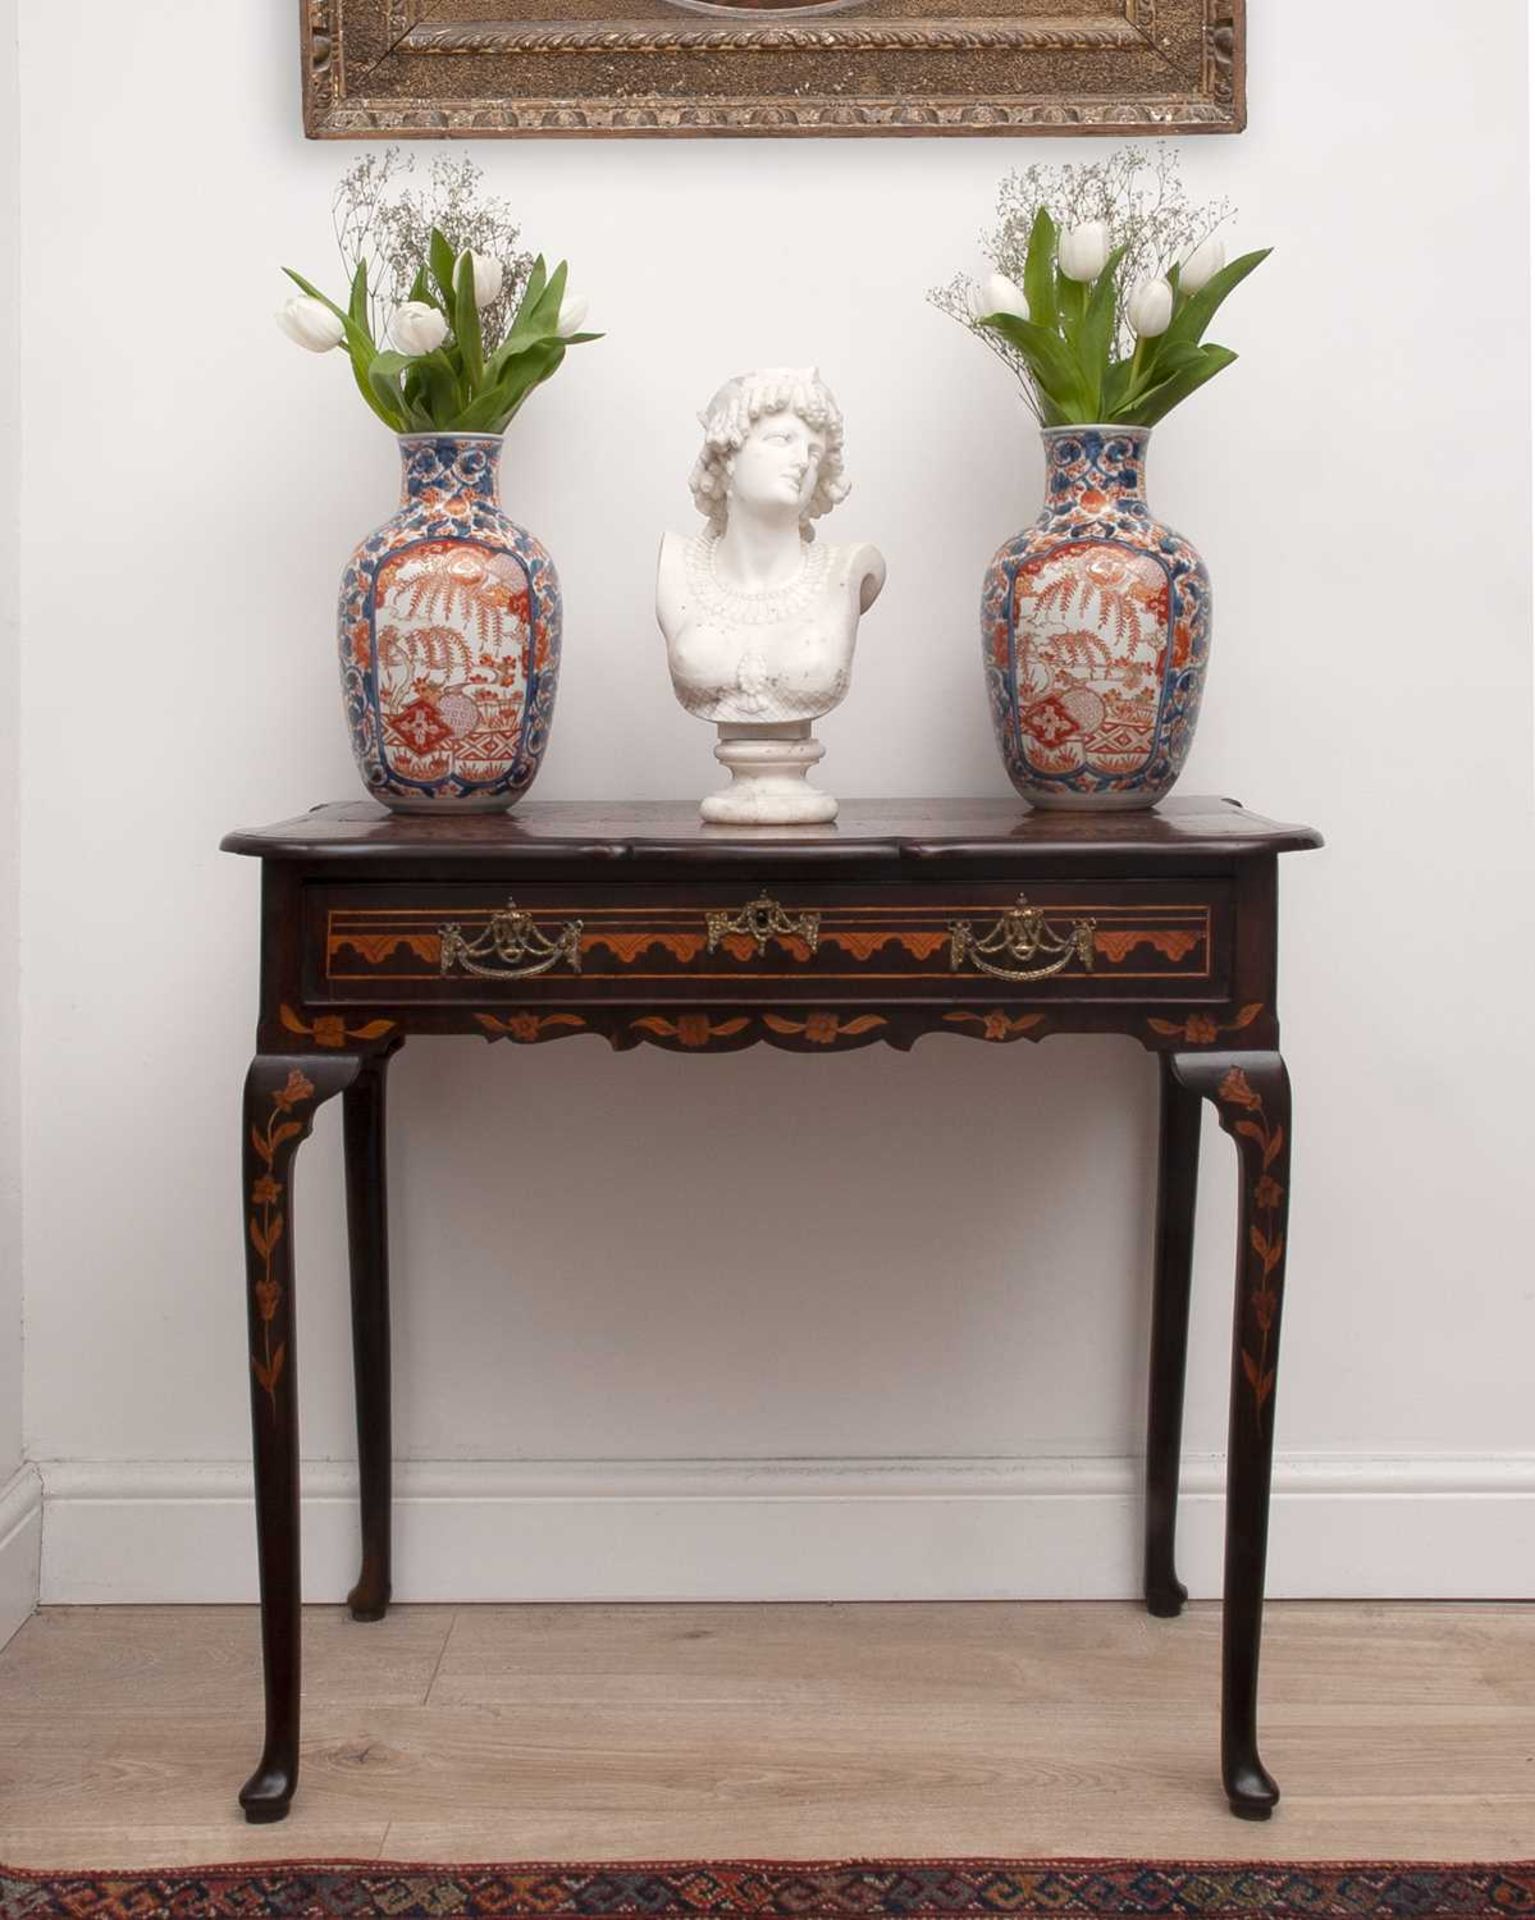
(223,1842)
(100,1660)
(785,1731)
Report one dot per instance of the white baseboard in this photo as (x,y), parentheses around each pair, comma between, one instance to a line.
(143,1531)
(21,1547)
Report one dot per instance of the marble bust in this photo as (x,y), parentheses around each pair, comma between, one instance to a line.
(760,617)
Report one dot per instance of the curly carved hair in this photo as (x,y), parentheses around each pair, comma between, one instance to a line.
(730,416)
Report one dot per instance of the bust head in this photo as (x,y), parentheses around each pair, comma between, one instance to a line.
(772,439)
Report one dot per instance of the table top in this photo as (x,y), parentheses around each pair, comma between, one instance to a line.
(893,830)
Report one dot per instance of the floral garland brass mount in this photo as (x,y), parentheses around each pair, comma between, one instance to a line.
(761,920)
(509,939)
(1022,934)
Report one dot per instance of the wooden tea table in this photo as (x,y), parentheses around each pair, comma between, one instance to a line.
(975,918)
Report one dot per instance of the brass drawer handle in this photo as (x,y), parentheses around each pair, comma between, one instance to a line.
(764,919)
(509,940)
(1022,934)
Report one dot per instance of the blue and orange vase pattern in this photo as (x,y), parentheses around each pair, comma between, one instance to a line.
(449,637)
(1095,630)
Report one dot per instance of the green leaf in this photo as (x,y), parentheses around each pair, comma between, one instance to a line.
(1117,386)
(1052,363)
(360,349)
(1071,298)
(537,317)
(445,397)
(355,334)
(547,312)
(439,257)
(1170,361)
(523,373)
(358,305)
(1208,361)
(421,289)
(1194,316)
(418,402)
(1095,337)
(1050,415)
(388,411)
(470,346)
(1039,271)
(384,380)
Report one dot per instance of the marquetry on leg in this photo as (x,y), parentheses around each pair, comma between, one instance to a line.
(362,1109)
(1177,1181)
(1251,1094)
(282,1093)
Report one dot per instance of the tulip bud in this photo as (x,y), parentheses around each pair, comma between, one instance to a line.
(998,294)
(1084,251)
(1151,308)
(1202,265)
(489,277)
(572,313)
(311,323)
(417,328)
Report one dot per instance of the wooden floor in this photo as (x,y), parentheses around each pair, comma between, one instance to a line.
(784,1731)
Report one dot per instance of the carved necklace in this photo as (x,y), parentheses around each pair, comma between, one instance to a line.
(740,607)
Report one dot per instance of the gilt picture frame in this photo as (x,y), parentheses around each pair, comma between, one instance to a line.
(474,69)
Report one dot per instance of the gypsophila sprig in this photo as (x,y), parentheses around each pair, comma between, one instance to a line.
(1115,275)
(470,324)
(382,217)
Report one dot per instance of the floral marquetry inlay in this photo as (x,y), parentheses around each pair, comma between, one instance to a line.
(331,1029)
(1247,1117)
(997,1025)
(1203,1029)
(267,1203)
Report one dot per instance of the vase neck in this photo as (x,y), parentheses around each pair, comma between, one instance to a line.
(1096,468)
(437,468)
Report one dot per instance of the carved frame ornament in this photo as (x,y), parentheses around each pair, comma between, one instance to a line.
(443,69)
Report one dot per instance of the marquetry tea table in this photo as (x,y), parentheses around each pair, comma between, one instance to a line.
(973,918)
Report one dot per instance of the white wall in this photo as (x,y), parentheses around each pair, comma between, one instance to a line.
(20,1506)
(955,1297)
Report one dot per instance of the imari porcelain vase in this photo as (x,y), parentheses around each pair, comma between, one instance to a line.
(450,638)
(1095,626)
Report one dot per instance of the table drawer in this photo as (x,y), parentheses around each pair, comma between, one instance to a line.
(471,943)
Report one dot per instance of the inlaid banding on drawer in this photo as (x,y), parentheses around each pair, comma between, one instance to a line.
(547,943)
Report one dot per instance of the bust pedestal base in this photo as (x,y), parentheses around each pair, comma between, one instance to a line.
(769,786)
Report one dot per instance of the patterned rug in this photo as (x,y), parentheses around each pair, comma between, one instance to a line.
(809,1890)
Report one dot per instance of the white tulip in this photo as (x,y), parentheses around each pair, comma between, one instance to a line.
(417,328)
(311,323)
(998,294)
(572,313)
(1202,265)
(489,277)
(1084,251)
(1151,308)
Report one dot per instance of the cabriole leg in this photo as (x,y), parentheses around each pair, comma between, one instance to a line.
(1251,1094)
(1177,1184)
(282,1094)
(362,1109)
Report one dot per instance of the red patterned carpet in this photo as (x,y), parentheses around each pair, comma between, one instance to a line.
(808,1890)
